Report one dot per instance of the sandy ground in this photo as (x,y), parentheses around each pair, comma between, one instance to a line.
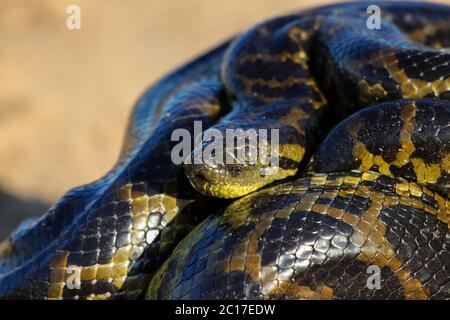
(65,95)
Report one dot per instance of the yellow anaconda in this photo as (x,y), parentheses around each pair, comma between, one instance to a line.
(360,185)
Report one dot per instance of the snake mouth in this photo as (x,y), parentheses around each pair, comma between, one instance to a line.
(201,177)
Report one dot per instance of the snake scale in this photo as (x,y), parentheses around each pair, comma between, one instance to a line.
(362,180)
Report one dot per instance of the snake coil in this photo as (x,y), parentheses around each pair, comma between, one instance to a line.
(362,180)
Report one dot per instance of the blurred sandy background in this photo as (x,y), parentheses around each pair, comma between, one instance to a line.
(65,95)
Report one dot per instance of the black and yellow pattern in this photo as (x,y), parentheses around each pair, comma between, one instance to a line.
(297,72)
(374,192)
(405,138)
(314,238)
(118,230)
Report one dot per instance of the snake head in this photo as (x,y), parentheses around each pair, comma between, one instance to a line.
(232,164)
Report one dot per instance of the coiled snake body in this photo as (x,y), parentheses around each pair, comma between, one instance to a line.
(372,191)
